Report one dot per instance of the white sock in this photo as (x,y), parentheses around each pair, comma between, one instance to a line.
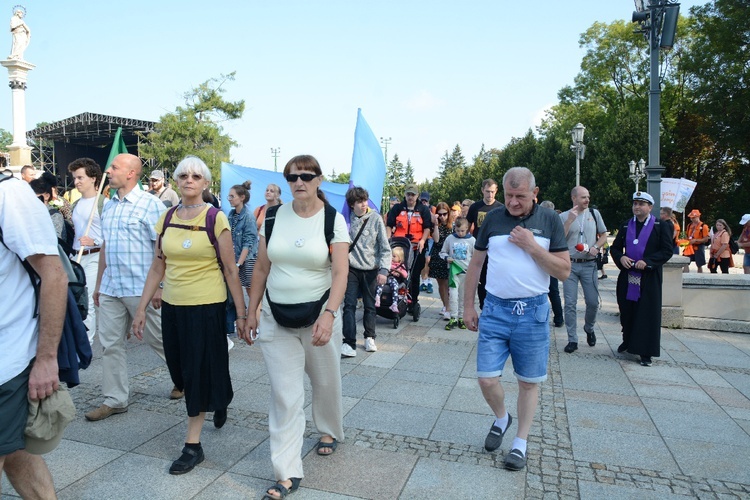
(500,422)
(519,444)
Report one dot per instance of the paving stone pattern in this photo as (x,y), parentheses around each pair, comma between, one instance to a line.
(446,467)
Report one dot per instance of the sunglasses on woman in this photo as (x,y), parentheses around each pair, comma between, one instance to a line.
(196,177)
(442,214)
(304,177)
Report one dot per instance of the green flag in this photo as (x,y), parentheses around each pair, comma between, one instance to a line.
(118,147)
(454,270)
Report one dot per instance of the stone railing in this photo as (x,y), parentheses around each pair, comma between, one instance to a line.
(718,302)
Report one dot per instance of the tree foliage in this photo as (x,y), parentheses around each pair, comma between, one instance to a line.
(195,128)
(705,124)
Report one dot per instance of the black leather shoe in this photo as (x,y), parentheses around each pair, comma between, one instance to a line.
(590,337)
(645,360)
(187,461)
(623,347)
(572,346)
(495,437)
(220,418)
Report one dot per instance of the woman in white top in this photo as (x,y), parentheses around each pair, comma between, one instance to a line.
(297,272)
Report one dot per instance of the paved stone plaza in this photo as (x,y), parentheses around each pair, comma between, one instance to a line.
(416,422)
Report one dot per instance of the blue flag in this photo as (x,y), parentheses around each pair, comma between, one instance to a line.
(368,164)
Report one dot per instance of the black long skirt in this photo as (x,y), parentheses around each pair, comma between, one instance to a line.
(195,347)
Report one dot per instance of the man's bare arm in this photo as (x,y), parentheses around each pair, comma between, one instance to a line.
(53,299)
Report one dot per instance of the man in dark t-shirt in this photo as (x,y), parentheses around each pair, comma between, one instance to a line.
(477,212)
(523,244)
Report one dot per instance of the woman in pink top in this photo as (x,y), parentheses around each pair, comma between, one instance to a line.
(719,250)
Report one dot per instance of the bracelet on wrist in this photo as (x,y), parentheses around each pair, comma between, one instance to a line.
(241,317)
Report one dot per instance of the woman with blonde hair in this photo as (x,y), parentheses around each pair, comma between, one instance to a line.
(273,198)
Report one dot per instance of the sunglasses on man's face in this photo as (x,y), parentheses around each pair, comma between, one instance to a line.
(304,177)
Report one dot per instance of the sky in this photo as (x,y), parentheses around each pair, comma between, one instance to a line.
(427,75)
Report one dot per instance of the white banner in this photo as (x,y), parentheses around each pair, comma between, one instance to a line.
(675,193)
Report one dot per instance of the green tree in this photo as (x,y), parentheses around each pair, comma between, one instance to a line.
(195,128)
(342,178)
(6,139)
(452,162)
(408,172)
(395,177)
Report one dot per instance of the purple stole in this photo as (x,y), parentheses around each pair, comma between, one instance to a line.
(635,248)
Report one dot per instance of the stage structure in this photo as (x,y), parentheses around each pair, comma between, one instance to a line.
(57,144)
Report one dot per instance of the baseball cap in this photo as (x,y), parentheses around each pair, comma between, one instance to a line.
(411,188)
(47,420)
(643,196)
(695,213)
(424,196)
(157,174)
(745,219)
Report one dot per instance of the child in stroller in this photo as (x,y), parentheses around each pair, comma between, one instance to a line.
(397,273)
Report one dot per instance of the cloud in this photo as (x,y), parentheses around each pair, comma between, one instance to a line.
(540,114)
(423,101)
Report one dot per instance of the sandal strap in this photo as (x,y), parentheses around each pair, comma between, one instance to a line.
(190,451)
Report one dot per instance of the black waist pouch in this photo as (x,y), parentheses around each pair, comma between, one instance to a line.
(300,315)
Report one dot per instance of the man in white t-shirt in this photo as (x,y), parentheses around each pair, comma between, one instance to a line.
(87,174)
(28,342)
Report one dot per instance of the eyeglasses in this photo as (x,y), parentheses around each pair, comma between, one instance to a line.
(304,177)
(442,214)
(231,197)
(411,194)
(196,177)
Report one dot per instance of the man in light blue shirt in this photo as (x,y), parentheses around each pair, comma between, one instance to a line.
(128,222)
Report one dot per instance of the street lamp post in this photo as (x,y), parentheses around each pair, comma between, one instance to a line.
(658,20)
(385,141)
(579,147)
(275,153)
(637,171)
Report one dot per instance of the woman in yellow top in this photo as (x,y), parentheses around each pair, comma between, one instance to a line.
(299,273)
(194,306)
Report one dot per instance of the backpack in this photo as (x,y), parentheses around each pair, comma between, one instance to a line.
(209,228)
(75,272)
(734,247)
(68,234)
(330,218)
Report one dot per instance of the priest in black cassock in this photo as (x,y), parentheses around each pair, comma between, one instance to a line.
(642,246)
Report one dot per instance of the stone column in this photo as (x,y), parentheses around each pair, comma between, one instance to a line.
(20,152)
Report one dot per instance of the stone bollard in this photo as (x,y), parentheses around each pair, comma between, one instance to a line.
(673,312)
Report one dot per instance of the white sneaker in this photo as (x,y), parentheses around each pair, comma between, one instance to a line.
(230,344)
(347,351)
(447,315)
(370,345)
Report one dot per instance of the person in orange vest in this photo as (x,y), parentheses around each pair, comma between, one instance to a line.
(411,220)
(697,234)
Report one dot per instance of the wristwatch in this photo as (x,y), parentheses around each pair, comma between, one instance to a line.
(333,313)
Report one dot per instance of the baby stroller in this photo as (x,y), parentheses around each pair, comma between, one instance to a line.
(403,295)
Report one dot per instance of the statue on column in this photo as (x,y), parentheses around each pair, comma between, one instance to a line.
(20,32)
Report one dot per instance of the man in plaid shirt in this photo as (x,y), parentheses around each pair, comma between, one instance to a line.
(128,222)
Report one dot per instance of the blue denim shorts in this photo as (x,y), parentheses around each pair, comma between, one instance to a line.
(746,260)
(515,327)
